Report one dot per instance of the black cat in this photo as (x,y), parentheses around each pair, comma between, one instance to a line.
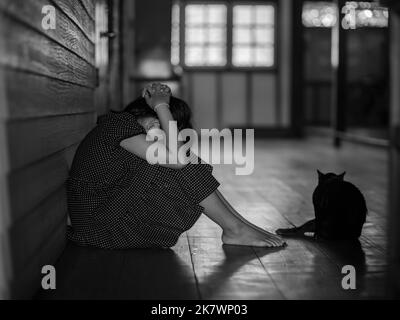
(340,210)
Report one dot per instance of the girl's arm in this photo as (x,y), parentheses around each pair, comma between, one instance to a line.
(138,146)
(157,97)
(165,117)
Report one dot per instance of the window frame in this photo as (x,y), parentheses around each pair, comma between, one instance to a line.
(182,23)
(229,34)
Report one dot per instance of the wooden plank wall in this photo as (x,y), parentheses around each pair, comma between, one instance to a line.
(115,57)
(47,81)
(101,98)
(128,51)
(394,203)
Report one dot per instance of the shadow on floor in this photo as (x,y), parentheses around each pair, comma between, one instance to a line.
(138,274)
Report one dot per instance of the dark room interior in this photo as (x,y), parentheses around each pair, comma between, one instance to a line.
(316,82)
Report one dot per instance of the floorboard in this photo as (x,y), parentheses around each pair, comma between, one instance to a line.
(277,195)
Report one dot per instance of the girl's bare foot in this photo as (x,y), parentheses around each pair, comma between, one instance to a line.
(245,235)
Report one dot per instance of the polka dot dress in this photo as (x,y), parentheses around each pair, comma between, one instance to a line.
(117,200)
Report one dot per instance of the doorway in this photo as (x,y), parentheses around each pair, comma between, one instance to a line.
(366,106)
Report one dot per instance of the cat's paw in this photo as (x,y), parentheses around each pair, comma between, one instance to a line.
(287,232)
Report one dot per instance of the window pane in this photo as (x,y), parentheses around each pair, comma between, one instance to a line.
(217,35)
(217,14)
(195,35)
(242,35)
(264,35)
(208,56)
(264,57)
(253,36)
(242,56)
(323,14)
(175,55)
(242,15)
(175,37)
(194,56)
(319,14)
(265,14)
(205,40)
(175,14)
(195,14)
(216,56)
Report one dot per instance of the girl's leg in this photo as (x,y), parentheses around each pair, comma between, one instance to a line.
(237,214)
(236,230)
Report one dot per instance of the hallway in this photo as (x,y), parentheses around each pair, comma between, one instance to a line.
(277,195)
(316,82)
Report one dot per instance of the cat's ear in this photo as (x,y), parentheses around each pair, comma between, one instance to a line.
(341,176)
(320,175)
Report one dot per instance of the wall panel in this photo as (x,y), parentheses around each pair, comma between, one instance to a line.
(234,102)
(204,95)
(33,184)
(75,10)
(41,55)
(35,139)
(264,102)
(39,96)
(29,12)
(47,82)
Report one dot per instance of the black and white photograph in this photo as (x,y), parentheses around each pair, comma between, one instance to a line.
(208,154)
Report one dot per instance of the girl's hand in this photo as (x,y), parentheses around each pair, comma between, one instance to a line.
(150,123)
(156,94)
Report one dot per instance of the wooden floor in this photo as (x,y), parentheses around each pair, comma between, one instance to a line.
(278,194)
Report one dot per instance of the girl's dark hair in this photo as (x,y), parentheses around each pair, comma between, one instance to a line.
(179,109)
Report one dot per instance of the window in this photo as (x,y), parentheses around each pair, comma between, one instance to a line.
(205,35)
(319,14)
(207,42)
(253,36)
(354,15)
(175,37)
